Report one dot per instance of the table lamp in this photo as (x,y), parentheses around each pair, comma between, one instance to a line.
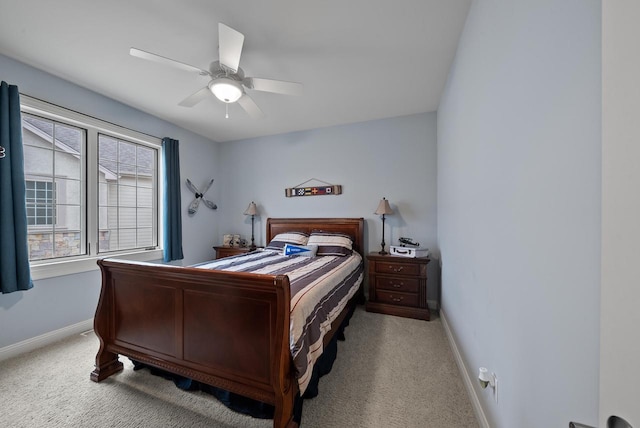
(252,210)
(383,209)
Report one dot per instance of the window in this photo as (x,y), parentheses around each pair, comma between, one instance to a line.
(54,164)
(40,196)
(91,190)
(126,200)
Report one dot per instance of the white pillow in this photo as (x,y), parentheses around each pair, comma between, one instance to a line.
(278,242)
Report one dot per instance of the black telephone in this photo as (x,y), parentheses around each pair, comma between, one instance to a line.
(408,241)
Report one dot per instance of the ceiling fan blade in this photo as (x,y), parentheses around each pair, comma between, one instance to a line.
(230,44)
(250,106)
(276,86)
(167,61)
(196,97)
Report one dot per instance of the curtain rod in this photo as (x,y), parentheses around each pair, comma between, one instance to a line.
(88,115)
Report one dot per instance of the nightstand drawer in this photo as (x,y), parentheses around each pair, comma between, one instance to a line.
(397,268)
(394,298)
(398,283)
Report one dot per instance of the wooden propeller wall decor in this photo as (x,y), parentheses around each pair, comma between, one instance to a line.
(193,206)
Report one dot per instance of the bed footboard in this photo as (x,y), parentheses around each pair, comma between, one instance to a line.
(226,329)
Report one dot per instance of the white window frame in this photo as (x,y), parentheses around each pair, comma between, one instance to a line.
(42,269)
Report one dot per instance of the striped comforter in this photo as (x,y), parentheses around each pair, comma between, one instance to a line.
(320,290)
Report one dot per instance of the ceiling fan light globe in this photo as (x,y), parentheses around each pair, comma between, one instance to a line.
(226,90)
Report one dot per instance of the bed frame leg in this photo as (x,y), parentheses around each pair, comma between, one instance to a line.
(107,363)
(282,420)
(283,414)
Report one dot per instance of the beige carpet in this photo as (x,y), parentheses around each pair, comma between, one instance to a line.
(390,372)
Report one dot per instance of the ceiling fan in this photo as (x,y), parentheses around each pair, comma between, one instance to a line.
(228,82)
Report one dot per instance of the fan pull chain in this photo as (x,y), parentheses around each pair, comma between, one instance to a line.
(226,116)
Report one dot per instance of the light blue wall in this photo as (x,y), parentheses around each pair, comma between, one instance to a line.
(519,129)
(59,302)
(393,158)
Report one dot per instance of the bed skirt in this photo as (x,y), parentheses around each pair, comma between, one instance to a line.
(254,408)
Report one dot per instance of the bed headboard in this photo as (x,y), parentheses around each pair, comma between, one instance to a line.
(353,227)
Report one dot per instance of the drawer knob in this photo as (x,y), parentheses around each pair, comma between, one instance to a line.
(397,285)
(396,299)
(398,269)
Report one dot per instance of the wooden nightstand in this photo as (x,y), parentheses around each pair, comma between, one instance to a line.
(222,251)
(398,286)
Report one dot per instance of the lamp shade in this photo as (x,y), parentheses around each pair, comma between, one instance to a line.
(226,90)
(383,207)
(251,209)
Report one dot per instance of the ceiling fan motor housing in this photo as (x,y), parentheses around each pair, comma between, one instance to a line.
(218,70)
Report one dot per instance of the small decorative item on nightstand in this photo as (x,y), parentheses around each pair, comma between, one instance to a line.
(231,241)
(398,286)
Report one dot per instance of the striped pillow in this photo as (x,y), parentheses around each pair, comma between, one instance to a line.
(296,238)
(331,243)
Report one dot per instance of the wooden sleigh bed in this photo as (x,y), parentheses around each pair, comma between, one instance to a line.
(226,329)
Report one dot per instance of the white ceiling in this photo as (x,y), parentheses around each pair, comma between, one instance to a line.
(357,59)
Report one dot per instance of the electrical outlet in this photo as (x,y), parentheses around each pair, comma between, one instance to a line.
(488,380)
(495,388)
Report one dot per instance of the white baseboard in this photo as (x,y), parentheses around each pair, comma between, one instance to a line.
(44,339)
(468,382)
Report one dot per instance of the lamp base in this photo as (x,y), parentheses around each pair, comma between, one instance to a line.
(253,241)
(382,253)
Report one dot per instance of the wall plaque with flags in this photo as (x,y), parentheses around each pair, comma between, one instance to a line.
(304,190)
